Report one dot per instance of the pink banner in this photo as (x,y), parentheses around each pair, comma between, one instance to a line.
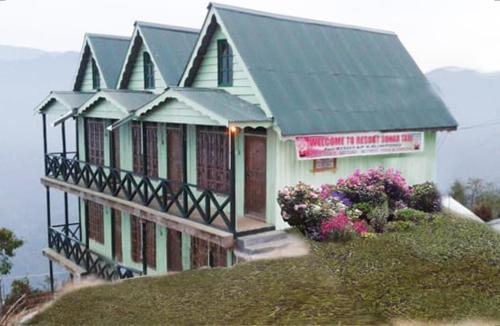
(360,144)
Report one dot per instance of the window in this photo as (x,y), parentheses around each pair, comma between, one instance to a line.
(94,130)
(212,159)
(117,231)
(149,71)
(224,63)
(151,130)
(96,223)
(136,235)
(96,79)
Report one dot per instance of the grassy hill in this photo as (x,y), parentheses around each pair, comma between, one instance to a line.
(445,270)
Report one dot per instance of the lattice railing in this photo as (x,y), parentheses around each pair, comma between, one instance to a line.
(177,198)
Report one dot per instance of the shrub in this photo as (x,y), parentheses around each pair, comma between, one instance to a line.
(400,226)
(410,214)
(375,186)
(484,211)
(378,217)
(425,197)
(364,208)
(341,228)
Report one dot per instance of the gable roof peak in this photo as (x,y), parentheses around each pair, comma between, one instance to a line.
(295,19)
(166,27)
(107,36)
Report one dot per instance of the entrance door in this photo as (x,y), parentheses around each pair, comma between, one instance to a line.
(175,155)
(255,176)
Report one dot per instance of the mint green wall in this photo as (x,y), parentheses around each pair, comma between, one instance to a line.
(207,72)
(136,81)
(416,168)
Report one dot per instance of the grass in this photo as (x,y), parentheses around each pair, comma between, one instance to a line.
(447,270)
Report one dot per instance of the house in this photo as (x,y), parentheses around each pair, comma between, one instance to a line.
(181,148)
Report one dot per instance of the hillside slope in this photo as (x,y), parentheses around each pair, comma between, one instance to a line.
(445,270)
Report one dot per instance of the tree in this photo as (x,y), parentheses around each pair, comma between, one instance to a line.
(484,211)
(475,187)
(8,244)
(457,192)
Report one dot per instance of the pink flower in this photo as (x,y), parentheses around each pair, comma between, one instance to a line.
(360,227)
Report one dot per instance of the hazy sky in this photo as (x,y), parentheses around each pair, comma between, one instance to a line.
(437,33)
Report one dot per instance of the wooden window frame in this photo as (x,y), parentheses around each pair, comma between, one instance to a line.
(136,225)
(212,166)
(224,63)
(135,239)
(117,231)
(94,141)
(149,71)
(95,221)
(137,161)
(151,129)
(96,77)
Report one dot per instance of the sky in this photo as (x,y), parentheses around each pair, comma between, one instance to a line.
(438,33)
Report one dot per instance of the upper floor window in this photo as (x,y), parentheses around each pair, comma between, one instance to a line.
(96,79)
(149,71)
(224,63)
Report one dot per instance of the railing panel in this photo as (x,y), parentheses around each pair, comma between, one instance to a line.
(93,263)
(177,198)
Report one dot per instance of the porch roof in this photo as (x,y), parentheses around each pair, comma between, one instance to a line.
(126,100)
(70,100)
(215,103)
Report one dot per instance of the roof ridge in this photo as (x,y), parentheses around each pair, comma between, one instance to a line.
(108,36)
(112,90)
(167,27)
(297,19)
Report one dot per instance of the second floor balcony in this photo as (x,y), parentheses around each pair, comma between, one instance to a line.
(186,204)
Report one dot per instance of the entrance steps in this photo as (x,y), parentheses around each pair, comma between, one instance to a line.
(269,245)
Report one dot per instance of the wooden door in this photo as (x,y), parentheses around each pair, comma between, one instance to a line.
(174,250)
(175,155)
(255,176)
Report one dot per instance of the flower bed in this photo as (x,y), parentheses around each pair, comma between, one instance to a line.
(364,203)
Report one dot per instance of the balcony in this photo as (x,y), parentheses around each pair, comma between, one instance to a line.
(178,202)
(66,248)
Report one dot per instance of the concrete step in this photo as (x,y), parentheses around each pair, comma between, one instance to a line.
(259,238)
(259,248)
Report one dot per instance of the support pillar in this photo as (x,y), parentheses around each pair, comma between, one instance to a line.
(232,167)
(184,169)
(144,248)
(64,151)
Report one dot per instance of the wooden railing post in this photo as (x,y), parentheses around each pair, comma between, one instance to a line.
(232,191)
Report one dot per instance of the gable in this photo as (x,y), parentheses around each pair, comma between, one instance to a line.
(83,81)
(104,109)
(174,111)
(206,76)
(136,79)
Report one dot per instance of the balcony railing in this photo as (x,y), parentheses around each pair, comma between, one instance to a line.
(177,198)
(63,242)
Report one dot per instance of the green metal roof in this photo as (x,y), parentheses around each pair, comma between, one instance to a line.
(108,51)
(319,77)
(170,47)
(222,104)
(71,100)
(127,100)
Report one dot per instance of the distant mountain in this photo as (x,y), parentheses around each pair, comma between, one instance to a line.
(474,150)
(26,77)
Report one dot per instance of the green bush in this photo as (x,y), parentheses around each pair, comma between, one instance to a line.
(410,214)
(400,226)
(425,197)
(378,216)
(365,209)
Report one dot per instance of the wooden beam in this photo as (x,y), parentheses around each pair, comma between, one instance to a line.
(205,232)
